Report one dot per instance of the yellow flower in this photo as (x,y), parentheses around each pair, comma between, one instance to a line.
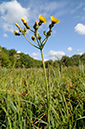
(54,20)
(17,25)
(42,19)
(23,20)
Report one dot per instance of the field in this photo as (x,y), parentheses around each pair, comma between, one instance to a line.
(23,100)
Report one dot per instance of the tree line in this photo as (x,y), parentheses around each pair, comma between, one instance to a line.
(10,58)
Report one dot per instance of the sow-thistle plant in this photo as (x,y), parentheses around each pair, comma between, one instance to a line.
(39,44)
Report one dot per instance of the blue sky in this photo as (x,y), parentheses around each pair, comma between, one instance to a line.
(68,36)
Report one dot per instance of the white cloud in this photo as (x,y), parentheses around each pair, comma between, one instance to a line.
(11,12)
(80,53)
(55,54)
(45,59)
(18,52)
(69,49)
(5,35)
(80,29)
(35,55)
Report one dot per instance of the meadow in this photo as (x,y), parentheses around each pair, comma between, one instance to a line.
(23,100)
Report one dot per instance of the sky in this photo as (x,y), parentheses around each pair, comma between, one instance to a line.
(67,38)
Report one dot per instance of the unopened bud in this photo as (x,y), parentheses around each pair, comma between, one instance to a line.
(21,30)
(17,25)
(25,29)
(16,33)
(45,33)
(36,26)
(25,23)
(33,38)
(36,22)
(39,37)
(49,33)
(23,20)
(27,26)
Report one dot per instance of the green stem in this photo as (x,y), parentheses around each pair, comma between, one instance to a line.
(47,89)
(45,40)
(30,42)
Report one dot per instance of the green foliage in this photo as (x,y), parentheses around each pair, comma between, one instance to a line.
(23,98)
(4,60)
(12,52)
(82,58)
(10,58)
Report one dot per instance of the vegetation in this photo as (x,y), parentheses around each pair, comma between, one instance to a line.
(31,98)
(23,98)
(10,58)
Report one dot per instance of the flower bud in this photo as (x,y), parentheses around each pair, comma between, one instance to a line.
(25,29)
(39,37)
(16,33)
(23,20)
(33,38)
(36,26)
(49,33)
(17,25)
(27,26)
(45,33)
(25,23)
(21,30)
(36,22)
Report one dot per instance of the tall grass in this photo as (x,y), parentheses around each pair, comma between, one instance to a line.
(23,100)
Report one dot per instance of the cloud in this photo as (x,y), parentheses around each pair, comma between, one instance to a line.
(11,12)
(69,49)
(80,29)
(35,55)
(77,7)
(5,35)
(18,52)
(55,54)
(80,53)
(45,59)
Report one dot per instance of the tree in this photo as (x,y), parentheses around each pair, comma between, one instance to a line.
(12,52)
(4,59)
(65,60)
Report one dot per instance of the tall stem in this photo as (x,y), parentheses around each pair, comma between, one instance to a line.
(47,90)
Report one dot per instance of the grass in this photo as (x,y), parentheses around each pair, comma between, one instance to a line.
(23,98)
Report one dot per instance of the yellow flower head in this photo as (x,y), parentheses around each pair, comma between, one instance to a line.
(54,20)
(17,25)
(23,20)
(42,19)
